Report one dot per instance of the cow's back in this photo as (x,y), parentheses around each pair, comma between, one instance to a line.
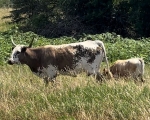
(89,44)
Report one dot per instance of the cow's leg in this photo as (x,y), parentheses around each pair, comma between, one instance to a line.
(50,73)
(99,77)
(52,80)
(94,70)
(141,78)
(74,74)
(46,81)
(135,77)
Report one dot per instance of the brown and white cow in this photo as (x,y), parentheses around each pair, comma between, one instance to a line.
(47,61)
(130,67)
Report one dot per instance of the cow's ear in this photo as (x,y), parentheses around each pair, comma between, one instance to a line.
(23,49)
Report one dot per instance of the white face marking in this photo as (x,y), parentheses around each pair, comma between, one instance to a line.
(14,56)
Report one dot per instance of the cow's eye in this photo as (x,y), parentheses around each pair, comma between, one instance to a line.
(17,52)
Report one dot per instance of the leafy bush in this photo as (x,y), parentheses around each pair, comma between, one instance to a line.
(5,3)
(138,16)
(116,46)
(53,18)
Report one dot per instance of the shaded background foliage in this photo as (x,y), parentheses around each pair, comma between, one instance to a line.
(52,18)
(5,3)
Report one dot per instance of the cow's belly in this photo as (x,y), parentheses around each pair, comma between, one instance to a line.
(89,67)
(50,72)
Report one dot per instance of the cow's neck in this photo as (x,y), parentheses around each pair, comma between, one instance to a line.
(34,60)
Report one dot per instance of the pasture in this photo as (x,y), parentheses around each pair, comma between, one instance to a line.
(23,96)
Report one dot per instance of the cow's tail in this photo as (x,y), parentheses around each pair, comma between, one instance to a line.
(101,44)
(142,65)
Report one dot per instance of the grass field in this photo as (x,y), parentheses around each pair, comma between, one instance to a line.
(23,96)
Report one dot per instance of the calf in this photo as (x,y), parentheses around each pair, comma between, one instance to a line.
(124,68)
(47,61)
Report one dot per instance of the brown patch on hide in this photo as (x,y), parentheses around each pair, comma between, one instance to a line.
(62,58)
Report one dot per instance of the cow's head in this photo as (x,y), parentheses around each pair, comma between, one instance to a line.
(18,52)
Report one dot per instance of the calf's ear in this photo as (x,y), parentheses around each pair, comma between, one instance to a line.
(12,48)
(23,49)
(104,70)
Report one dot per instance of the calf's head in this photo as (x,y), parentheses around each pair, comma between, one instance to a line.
(107,73)
(18,53)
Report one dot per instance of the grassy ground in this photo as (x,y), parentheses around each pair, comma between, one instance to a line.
(4,22)
(24,96)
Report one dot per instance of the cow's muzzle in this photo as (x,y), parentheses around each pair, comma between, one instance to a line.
(10,62)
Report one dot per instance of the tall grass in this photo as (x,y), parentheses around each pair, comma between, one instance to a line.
(23,96)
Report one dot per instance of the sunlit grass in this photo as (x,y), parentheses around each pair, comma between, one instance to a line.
(24,96)
(5,22)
